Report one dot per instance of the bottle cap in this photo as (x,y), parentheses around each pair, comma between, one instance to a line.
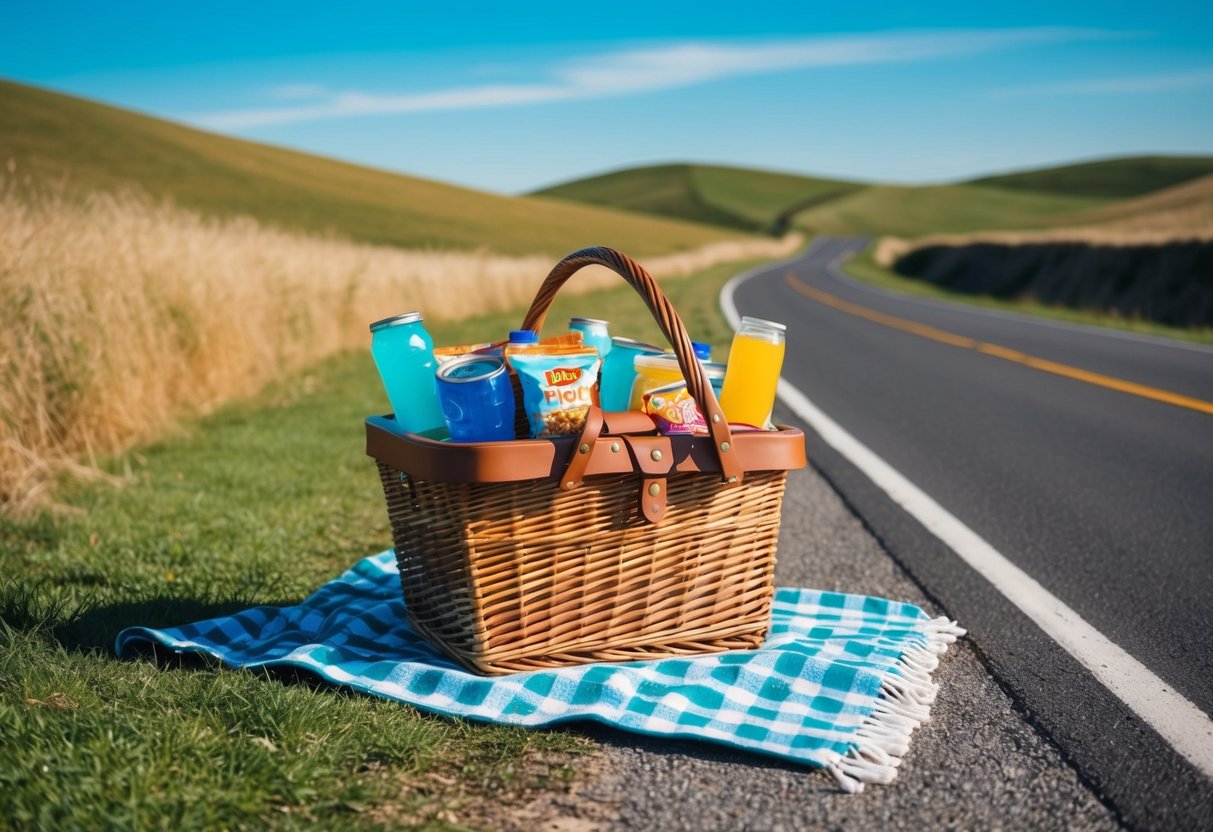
(396,320)
(759,322)
(703,351)
(524,336)
(669,362)
(632,343)
(661,361)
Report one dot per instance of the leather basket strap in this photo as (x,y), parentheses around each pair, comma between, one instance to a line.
(732,471)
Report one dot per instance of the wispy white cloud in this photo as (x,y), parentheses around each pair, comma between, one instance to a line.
(649,69)
(1120,85)
(297,92)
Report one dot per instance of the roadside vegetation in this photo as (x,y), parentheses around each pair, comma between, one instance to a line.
(865,267)
(258,503)
(1140,263)
(119,315)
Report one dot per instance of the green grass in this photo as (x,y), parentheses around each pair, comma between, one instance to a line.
(912,212)
(1107,178)
(87,147)
(863,267)
(259,503)
(752,200)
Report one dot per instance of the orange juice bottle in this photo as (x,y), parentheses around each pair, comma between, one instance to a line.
(753,372)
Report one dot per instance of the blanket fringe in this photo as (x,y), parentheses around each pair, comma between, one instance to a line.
(906,696)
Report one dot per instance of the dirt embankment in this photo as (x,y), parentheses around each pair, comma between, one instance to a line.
(1169,283)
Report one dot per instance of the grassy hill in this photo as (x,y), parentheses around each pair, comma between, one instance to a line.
(758,200)
(912,211)
(1183,211)
(763,201)
(750,200)
(89,146)
(1107,178)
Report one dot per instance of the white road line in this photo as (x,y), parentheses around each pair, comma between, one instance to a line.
(1187,728)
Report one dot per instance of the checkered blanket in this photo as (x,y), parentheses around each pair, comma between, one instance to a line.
(840,683)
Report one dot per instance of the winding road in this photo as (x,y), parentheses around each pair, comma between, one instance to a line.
(1049,485)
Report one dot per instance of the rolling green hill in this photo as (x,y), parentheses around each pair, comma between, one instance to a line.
(751,200)
(912,211)
(773,202)
(88,146)
(1107,178)
(762,201)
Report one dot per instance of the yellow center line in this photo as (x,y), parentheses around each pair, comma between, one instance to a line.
(1042,364)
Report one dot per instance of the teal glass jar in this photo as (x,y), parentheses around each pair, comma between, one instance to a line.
(404,356)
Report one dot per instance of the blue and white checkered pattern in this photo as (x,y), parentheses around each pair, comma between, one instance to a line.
(804,696)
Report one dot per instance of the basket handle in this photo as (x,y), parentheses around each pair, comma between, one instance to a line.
(671,326)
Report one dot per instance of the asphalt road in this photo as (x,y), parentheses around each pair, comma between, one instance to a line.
(1103,496)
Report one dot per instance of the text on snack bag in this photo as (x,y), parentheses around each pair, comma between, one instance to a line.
(563,376)
(571,395)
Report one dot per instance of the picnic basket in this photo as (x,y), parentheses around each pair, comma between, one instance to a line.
(615,545)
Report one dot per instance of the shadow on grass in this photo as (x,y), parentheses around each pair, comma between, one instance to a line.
(85,625)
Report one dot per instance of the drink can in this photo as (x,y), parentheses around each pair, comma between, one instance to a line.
(593,334)
(477,399)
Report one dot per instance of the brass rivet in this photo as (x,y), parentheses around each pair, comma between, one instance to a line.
(654,490)
(568,484)
(585,449)
(614,447)
(732,479)
(716,417)
(656,455)
(655,508)
(724,447)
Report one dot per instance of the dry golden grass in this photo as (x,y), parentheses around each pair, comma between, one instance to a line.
(120,315)
(1181,212)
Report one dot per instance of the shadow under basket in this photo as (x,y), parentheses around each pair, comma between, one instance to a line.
(615,545)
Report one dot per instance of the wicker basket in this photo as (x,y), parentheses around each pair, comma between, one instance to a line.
(619,544)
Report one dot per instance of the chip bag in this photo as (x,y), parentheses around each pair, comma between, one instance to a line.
(557,389)
(674,410)
(445,354)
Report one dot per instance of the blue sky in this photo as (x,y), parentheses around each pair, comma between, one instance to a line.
(507,98)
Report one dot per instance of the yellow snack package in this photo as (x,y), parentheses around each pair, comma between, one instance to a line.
(674,410)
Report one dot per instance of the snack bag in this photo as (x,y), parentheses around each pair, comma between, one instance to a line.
(513,350)
(445,354)
(674,410)
(557,389)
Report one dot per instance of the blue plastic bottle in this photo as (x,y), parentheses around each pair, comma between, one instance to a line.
(404,355)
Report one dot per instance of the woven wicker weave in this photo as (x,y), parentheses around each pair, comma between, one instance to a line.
(530,571)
